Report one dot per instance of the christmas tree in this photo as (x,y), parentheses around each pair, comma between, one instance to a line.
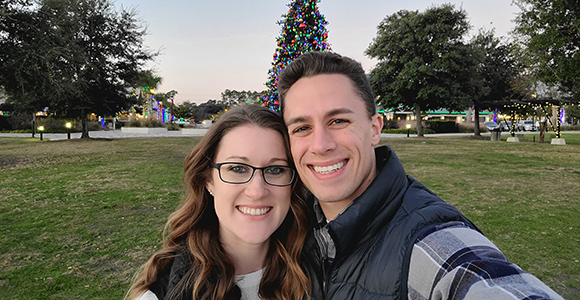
(303,30)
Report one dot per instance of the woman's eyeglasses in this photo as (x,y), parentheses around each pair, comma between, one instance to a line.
(240,173)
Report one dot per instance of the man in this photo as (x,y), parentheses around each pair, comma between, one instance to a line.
(377,233)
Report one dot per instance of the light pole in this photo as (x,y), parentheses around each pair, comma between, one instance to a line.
(41,129)
(33,124)
(68,127)
(408,128)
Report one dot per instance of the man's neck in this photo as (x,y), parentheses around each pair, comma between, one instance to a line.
(332,209)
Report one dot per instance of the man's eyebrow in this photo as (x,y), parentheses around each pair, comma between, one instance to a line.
(299,119)
(331,113)
(338,111)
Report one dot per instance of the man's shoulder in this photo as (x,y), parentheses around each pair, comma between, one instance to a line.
(452,237)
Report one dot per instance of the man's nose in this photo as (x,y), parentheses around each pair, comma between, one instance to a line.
(322,141)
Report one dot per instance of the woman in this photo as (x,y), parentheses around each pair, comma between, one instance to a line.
(240,229)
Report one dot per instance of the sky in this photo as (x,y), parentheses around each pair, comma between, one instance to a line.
(208,46)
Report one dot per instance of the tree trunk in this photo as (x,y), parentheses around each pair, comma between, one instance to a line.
(419,120)
(476,130)
(84,127)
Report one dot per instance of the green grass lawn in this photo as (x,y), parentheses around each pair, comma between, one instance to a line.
(77,218)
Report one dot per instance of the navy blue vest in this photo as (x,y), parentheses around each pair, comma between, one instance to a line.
(373,238)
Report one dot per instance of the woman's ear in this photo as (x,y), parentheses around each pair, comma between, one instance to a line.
(209,186)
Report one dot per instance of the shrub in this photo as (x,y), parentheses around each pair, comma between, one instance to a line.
(91,125)
(390,124)
(133,123)
(16,122)
(443,126)
(4,124)
(173,127)
(153,123)
(404,131)
(570,128)
(52,125)
(470,127)
(144,123)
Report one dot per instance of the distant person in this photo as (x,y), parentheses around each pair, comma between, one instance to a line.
(375,232)
(240,230)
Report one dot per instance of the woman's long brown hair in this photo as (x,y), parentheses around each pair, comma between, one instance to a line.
(194,227)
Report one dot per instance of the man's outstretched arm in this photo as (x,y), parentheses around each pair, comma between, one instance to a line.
(453,261)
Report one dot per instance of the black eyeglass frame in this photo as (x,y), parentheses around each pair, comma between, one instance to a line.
(218,167)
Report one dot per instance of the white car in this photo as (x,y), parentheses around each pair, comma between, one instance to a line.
(527,125)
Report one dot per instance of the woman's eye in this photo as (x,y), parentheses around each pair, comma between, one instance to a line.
(238,169)
(275,170)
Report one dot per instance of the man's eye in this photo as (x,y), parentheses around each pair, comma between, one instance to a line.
(339,121)
(300,129)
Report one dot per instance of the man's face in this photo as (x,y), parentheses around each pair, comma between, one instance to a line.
(332,138)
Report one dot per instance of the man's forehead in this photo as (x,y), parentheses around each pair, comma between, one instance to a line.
(320,86)
(308,115)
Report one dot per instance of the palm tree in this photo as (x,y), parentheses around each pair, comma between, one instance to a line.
(146,83)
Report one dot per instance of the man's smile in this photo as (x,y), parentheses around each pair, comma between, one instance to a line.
(328,169)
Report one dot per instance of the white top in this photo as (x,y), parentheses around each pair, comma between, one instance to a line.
(147,296)
(249,284)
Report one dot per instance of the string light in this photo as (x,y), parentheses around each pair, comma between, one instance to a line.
(303,29)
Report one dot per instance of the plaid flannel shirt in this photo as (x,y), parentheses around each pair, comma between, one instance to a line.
(453,261)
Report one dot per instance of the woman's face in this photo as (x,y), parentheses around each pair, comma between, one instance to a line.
(249,213)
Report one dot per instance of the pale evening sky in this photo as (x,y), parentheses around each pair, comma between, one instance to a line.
(209,46)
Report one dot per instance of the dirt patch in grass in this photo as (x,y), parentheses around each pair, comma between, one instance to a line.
(10,161)
(475,137)
(82,140)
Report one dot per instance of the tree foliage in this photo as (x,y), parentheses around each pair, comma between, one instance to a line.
(495,73)
(424,62)
(184,110)
(203,111)
(233,97)
(209,109)
(550,32)
(74,56)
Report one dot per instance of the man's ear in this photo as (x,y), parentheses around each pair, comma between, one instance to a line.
(376,127)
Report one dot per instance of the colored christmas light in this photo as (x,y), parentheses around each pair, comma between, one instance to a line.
(303,29)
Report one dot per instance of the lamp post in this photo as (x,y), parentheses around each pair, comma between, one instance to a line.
(68,127)
(41,129)
(408,128)
(33,124)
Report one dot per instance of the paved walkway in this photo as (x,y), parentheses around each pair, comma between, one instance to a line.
(118,134)
(109,134)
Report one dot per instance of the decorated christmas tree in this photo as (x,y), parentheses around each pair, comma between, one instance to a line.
(303,30)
